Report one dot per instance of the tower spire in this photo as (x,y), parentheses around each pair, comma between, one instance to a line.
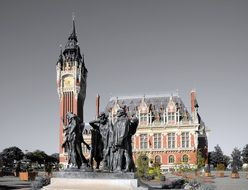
(73,25)
(73,35)
(72,47)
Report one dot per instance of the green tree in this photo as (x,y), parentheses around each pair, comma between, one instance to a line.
(53,158)
(217,157)
(200,160)
(226,160)
(10,155)
(236,159)
(142,165)
(38,156)
(245,154)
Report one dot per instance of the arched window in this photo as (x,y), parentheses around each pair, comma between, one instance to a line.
(185,158)
(171,159)
(157,159)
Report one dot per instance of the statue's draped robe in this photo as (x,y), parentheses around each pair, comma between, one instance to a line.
(121,128)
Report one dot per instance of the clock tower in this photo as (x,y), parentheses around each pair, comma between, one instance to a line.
(71,85)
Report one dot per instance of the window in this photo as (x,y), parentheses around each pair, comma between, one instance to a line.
(157,159)
(164,117)
(143,117)
(185,139)
(157,140)
(171,159)
(171,140)
(171,116)
(185,158)
(143,141)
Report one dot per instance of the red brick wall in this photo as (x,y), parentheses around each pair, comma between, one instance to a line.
(178,140)
(192,139)
(165,141)
(177,157)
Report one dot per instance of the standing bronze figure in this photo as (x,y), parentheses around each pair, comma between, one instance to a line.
(73,141)
(101,140)
(124,128)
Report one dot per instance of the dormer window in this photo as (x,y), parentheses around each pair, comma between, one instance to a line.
(171,112)
(171,117)
(143,112)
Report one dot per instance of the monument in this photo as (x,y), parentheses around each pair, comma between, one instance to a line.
(111,148)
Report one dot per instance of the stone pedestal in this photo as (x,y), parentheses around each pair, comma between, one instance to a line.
(67,180)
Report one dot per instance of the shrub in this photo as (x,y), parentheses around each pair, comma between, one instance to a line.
(220,167)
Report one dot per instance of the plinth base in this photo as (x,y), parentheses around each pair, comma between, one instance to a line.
(68,180)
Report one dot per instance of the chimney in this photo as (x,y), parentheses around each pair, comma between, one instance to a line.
(192,100)
(97,105)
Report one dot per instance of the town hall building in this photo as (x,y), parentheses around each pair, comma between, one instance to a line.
(168,133)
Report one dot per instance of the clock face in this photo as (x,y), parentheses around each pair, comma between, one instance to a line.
(68,82)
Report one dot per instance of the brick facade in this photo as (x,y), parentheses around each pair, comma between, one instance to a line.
(170,131)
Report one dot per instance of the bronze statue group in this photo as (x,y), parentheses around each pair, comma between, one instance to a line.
(111,142)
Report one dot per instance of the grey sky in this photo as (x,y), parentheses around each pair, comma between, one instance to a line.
(131,47)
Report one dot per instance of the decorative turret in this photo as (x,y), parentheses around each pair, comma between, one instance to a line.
(60,59)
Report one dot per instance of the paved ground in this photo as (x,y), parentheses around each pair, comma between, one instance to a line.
(11,182)
(225,183)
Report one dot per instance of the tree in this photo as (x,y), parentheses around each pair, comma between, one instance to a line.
(37,156)
(217,157)
(226,160)
(200,160)
(236,159)
(11,154)
(142,165)
(245,154)
(53,158)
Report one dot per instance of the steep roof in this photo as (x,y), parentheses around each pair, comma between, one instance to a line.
(156,103)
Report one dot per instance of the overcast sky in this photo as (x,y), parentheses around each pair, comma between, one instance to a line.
(131,47)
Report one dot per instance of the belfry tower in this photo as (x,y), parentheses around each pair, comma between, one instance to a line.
(71,85)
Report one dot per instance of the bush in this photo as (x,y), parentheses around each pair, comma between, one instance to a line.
(220,167)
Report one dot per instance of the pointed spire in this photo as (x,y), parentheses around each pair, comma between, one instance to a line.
(73,35)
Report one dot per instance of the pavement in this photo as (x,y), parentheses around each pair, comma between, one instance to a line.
(11,182)
(221,183)
(227,183)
